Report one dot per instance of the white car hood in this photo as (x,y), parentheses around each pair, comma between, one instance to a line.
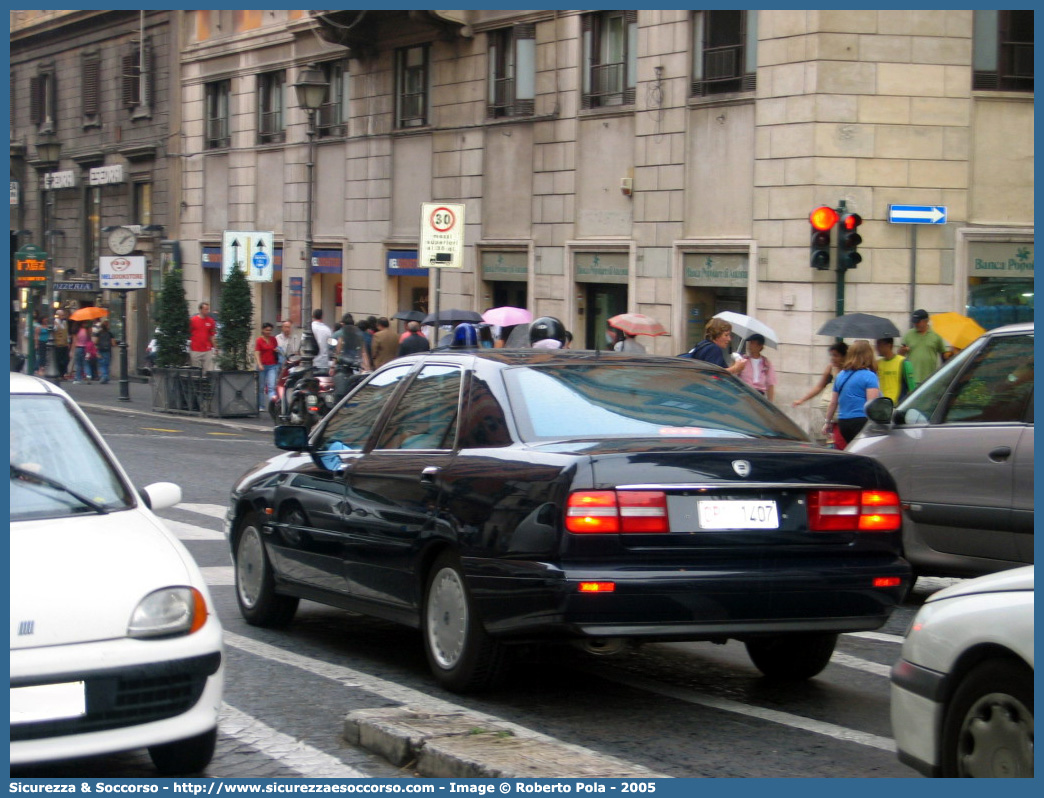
(77,580)
(1015,579)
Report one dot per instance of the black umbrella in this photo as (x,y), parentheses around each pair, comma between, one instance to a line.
(453,316)
(409,315)
(860,325)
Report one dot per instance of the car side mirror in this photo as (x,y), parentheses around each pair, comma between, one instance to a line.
(160,495)
(291,437)
(879,410)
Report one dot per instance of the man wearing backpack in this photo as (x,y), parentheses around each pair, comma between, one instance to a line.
(716,336)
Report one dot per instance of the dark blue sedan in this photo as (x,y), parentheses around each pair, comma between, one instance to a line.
(499,497)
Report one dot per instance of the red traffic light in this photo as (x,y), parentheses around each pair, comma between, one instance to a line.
(851,221)
(823,218)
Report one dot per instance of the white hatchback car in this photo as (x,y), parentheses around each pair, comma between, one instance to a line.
(962,693)
(115,644)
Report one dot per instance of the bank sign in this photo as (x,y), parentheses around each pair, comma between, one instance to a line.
(1009,259)
(721,270)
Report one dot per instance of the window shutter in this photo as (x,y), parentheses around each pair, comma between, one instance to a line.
(150,75)
(587,27)
(91,84)
(36,100)
(129,71)
(631,16)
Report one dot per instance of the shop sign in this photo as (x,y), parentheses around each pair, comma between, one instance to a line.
(499,266)
(14,192)
(403,263)
(122,272)
(601,267)
(1008,259)
(105,175)
(719,270)
(56,180)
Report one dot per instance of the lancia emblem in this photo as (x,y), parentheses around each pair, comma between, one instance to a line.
(741,467)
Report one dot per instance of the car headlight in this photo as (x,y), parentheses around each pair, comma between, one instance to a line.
(168,612)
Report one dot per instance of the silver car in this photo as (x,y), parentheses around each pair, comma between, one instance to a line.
(960,448)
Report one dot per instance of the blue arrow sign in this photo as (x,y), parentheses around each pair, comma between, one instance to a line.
(917,214)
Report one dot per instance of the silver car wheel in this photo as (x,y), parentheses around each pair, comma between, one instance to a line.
(447,618)
(996,738)
(250,566)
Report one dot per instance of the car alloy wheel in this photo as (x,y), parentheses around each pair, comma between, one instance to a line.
(259,604)
(447,617)
(988,729)
(250,566)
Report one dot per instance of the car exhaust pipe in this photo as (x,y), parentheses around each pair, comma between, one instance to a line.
(604,646)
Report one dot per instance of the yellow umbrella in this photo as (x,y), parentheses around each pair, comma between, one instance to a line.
(957,330)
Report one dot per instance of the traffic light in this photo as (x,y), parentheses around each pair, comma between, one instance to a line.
(823,220)
(848,242)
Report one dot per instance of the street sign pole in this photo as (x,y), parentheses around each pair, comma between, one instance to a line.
(915,216)
(124,395)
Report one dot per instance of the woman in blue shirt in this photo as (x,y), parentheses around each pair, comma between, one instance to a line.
(855,385)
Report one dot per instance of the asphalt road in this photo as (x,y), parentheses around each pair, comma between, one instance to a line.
(685,710)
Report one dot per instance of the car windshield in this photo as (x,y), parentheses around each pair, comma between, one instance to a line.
(610,400)
(57,469)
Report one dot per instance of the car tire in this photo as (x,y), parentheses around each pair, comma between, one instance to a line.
(184,757)
(988,725)
(792,657)
(258,602)
(461,655)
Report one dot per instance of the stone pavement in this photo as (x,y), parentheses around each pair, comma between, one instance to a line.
(95,396)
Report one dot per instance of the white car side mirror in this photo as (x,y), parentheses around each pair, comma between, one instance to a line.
(160,495)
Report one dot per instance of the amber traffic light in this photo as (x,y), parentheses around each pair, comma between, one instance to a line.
(823,220)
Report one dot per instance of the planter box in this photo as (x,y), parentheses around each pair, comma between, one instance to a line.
(179,390)
(220,394)
(233,394)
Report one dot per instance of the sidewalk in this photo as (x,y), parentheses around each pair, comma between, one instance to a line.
(95,396)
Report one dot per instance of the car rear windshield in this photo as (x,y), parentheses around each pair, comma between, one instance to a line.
(612,400)
(56,464)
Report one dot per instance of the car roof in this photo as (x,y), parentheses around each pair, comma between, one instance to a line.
(26,383)
(558,357)
(1021,327)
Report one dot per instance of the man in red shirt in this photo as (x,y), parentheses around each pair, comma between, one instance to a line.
(202,329)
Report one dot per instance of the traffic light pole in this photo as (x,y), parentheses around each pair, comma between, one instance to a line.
(839,293)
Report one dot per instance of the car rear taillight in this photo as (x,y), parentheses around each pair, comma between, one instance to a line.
(854,511)
(609,511)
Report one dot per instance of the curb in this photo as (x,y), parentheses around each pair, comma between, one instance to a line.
(463,745)
(129,411)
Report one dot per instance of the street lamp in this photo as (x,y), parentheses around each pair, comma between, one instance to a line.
(311,88)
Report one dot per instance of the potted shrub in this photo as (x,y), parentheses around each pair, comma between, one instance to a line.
(172,388)
(234,386)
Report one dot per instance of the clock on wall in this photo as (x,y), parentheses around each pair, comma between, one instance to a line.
(122,241)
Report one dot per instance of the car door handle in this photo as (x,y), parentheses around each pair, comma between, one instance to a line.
(1000,454)
(428,475)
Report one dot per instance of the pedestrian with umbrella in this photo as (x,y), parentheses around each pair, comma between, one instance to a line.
(923,347)
(622,342)
(856,385)
(716,337)
(758,371)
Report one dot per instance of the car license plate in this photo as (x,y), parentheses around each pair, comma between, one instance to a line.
(737,514)
(48,702)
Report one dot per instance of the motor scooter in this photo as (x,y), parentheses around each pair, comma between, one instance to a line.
(302,395)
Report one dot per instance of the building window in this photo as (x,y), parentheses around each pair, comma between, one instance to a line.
(138,78)
(142,199)
(725,52)
(411,86)
(332,117)
(610,58)
(271,107)
(90,92)
(92,229)
(43,102)
(1003,51)
(512,71)
(217,131)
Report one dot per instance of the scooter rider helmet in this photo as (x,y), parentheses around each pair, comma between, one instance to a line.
(465,336)
(546,328)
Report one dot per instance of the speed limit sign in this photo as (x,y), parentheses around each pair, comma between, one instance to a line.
(442,236)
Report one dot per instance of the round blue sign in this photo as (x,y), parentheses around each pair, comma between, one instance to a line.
(260,260)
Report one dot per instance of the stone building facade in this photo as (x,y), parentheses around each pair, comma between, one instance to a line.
(659,161)
(104,86)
